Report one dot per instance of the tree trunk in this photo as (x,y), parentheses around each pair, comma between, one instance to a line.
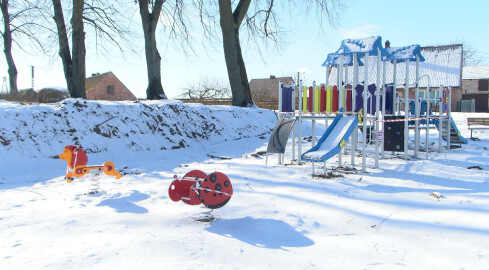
(79,51)
(238,78)
(153,58)
(64,46)
(7,43)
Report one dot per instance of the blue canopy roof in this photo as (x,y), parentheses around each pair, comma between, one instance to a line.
(372,45)
(333,59)
(402,54)
(361,46)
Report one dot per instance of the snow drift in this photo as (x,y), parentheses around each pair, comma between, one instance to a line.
(41,130)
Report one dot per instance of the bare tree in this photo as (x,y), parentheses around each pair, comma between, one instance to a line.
(7,45)
(174,14)
(103,18)
(261,23)
(206,87)
(153,58)
(79,51)
(21,26)
(64,45)
(230,22)
(471,56)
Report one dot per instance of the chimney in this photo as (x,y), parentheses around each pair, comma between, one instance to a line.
(387,44)
(272,76)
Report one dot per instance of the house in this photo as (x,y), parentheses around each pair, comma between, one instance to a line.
(268,87)
(475,85)
(107,86)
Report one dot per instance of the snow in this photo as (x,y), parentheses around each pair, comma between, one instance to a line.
(415,214)
(402,54)
(475,72)
(335,59)
(56,88)
(361,46)
(443,65)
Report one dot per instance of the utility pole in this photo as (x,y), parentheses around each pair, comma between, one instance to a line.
(32,72)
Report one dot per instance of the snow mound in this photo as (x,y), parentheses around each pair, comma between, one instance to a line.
(41,130)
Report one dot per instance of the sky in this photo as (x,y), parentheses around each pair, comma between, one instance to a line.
(303,48)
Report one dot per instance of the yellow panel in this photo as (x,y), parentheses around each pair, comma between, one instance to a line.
(344,98)
(329,99)
(317,95)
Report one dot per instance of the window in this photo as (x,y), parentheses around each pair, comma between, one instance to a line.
(483,85)
(110,89)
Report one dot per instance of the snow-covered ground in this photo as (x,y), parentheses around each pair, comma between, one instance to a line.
(417,214)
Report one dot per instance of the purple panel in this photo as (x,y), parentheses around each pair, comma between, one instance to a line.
(389,91)
(287,99)
(371,101)
(359,98)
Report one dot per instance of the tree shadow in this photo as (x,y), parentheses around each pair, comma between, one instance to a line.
(127,204)
(264,233)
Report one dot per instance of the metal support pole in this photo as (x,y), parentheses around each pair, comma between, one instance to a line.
(327,75)
(377,107)
(340,101)
(293,115)
(428,106)
(365,86)
(280,85)
(394,91)
(449,114)
(313,131)
(440,120)
(406,111)
(354,139)
(340,84)
(299,147)
(417,108)
(345,90)
(383,104)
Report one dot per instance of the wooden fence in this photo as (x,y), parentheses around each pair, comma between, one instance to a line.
(264,103)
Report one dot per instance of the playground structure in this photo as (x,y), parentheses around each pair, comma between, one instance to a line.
(196,187)
(77,160)
(383,115)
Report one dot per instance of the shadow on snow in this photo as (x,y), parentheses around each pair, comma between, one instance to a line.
(127,204)
(265,233)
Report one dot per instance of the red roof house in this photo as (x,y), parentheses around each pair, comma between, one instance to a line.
(107,86)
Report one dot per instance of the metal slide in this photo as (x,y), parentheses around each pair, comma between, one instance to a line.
(332,140)
(280,135)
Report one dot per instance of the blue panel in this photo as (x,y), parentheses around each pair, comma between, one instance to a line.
(369,45)
(333,59)
(402,54)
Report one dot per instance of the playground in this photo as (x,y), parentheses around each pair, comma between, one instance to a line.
(338,177)
(416,213)
(383,107)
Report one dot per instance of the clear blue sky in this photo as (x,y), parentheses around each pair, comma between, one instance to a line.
(433,22)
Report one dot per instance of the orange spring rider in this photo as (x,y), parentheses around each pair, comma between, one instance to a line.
(77,164)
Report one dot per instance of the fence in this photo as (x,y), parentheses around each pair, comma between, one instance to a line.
(264,103)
